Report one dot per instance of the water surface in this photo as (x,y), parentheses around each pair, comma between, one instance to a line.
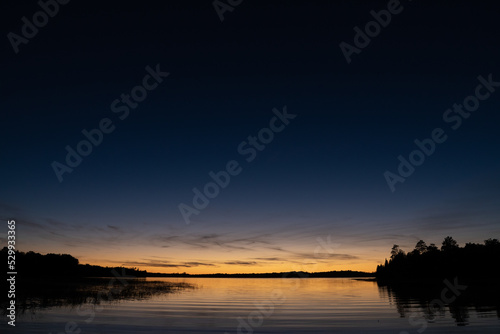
(257,305)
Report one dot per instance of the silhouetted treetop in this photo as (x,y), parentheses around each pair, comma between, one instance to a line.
(421,247)
(432,248)
(396,251)
(491,242)
(449,244)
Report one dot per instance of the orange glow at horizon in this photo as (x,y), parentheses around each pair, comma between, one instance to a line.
(220,267)
(283,257)
(364,267)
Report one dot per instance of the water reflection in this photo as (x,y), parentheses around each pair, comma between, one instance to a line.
(434,301)
(234,305)
(46,293)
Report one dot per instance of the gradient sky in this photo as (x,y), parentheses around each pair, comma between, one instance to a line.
(319,182)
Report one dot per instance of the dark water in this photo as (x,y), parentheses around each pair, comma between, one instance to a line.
(231,305)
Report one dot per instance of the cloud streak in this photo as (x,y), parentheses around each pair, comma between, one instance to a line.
(165,264)
(241,263)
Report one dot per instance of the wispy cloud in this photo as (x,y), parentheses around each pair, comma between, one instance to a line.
(301,255)
(271,259)
(164,264)
(226,241)
(241,263)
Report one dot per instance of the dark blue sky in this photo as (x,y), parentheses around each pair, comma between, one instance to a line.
(323,175)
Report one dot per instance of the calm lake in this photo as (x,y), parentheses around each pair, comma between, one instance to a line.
(257,305)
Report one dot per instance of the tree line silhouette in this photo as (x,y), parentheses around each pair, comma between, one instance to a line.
(473,262)
(36,265)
